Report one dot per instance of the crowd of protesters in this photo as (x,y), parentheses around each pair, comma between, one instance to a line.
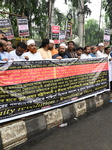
(47,50)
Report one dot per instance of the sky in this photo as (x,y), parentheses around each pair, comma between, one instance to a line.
(94,6)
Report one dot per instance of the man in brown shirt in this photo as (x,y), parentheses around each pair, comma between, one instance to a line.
(70,52)
(44,50)
(51,48)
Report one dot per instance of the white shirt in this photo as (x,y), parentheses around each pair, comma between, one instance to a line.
(13,55)
(32,56)
(107,56)
(100,54)
(83,56)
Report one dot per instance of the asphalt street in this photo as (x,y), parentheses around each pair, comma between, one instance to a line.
(93,132)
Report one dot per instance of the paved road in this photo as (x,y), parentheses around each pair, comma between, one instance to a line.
(91,133)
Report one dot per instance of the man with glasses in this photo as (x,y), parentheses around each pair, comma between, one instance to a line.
(70,52)
(18,53)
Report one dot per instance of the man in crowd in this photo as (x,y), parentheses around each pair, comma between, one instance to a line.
(78,52)
(1,48)
(100,52)
(44,50)
(61,52)
(107,53)
(32,54)
(93,51)
(86,53)
(52,49)
(17,54)
(70,51)
(9,46)
(3,52)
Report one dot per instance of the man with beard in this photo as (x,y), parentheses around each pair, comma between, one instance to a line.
(3,52)
(32,54)
(100,52)
(78,52)
(17,54)
(86,53)
(61,54)
(70,52)
(51,48)
(44,49)
(9,46)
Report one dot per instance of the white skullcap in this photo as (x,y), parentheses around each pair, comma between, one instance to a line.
(30,42)
(100,44)
(51,41)
(62,44)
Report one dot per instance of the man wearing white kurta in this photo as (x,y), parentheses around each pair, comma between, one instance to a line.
(32,54)
(100,52)
(18,53)
(86,53)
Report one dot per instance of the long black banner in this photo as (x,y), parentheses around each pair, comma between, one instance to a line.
(31,87)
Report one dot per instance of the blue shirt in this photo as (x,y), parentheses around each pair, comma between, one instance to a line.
(4,55)
(111,54)
(93,55)
(57,55)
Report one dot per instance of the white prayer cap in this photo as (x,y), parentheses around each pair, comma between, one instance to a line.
(63,44)
(100,44)
(51,41)
(30,42)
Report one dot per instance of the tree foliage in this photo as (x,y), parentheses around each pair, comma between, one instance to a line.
(37,13)
(92,32)
(107,5)
(35,10)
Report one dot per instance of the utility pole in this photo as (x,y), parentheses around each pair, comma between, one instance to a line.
(81,29)
(52,13)
(50,17)
(100,22)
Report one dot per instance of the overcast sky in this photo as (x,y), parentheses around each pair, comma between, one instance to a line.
(94,6)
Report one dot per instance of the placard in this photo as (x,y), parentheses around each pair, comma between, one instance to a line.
(23,26)
(5,26)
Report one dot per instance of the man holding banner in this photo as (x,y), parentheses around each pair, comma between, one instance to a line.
(3,52)
(18,53)
(32,54)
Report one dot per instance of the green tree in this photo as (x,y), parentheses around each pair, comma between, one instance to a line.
(35,10)
(92,33)
(107,5)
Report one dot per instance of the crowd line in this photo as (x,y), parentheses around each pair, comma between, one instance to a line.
(47,50)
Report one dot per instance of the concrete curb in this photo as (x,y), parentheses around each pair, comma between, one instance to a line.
(18,132)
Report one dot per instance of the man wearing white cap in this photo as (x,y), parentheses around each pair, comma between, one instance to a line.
(32,54)
(61,54)
(51,48)
(100,52)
